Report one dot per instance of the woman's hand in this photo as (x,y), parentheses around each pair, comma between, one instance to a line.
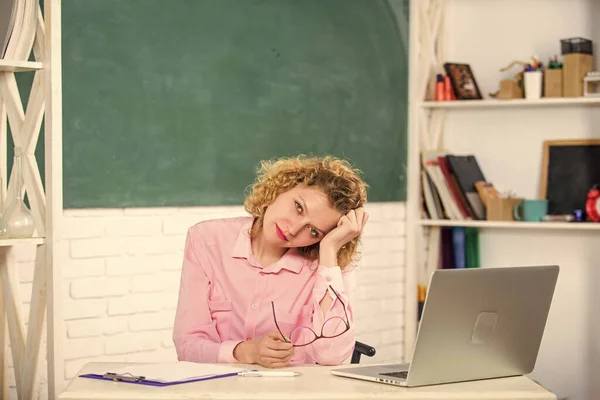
(349,227)
(270,351)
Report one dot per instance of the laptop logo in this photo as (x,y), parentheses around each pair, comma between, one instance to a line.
(484,327)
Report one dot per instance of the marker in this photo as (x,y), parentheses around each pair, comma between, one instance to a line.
(558,218)
(278,374)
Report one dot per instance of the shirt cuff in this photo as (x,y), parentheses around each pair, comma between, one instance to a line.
(226,352)
(332,276)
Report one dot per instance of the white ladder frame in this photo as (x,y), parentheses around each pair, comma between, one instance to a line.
(43,36)
(426,55)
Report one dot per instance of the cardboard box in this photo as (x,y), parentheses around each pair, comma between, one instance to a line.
(501,209)
(553,83)
(575,68)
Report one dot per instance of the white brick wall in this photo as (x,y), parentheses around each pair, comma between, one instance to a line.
(121,271)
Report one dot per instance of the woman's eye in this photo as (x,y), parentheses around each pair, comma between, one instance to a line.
(298,207)
(314,232)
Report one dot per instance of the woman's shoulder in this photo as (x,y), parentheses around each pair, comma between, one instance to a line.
(219,228)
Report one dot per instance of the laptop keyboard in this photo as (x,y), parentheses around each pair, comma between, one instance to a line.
(399,374)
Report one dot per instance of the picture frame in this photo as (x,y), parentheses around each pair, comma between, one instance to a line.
(463,81)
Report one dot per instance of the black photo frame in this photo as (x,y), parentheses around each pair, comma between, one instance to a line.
(463,81)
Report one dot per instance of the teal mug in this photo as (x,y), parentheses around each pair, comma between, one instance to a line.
(530,210)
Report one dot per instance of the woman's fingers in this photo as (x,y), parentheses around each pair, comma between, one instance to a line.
(277,345)
(365,219)
(276,365)
(360,216)
(272,360)
(278,354)
(351,215)
(275,336)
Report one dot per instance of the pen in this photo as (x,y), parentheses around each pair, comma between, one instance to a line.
(269,373)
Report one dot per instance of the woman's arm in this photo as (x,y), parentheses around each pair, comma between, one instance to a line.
(336,350)
(328,259)
(195,332)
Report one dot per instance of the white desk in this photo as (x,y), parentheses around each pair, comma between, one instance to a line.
(316,383)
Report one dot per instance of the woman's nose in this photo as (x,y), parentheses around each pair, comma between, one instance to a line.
(295,226)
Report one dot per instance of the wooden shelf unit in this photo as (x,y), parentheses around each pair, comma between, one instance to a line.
(512,224)
(19,66)
(39,34)
(516,103)
(428,35)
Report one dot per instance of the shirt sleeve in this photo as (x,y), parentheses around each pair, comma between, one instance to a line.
(336,350)
(195,332)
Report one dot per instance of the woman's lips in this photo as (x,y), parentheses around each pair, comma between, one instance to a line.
(280,233)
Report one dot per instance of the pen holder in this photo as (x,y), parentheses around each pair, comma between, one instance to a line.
(533,84)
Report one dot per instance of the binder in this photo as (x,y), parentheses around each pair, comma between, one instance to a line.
(166,374)
(458,245)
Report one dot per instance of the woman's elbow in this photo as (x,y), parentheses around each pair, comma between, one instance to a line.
(179,342)
(335,353)
(183,346)
(334,359)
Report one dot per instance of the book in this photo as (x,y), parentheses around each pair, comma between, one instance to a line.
(458,247)
(431,165)
(467,172)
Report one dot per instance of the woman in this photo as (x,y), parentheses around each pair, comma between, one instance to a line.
(273,288)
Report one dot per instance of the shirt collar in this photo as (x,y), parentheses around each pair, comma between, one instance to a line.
(242,247)
(291,260)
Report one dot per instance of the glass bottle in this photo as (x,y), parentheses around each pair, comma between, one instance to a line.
(19,219)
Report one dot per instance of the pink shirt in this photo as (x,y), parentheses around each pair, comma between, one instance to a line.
(225,297)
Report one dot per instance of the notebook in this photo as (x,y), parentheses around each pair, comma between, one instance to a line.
(166,374)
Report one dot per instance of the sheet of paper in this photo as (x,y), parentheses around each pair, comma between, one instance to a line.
(175,371)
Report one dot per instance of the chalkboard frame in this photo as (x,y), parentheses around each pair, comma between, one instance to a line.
(548,145)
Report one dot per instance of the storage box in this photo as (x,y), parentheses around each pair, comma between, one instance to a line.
(575,67)
(510,89)
(553,83)
(591,84)
(501,209)
(576,45)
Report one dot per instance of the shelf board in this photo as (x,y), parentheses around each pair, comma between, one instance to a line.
(512,224)
(13,242)
(492,103)
(19,66)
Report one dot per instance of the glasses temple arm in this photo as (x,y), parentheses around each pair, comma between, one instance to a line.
(277,325)
(343,304)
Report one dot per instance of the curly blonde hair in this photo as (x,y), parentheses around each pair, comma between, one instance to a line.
(335,177)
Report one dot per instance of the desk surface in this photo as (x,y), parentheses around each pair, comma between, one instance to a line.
(316,383)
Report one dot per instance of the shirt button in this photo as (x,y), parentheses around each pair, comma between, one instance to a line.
(328,278)
(254,306)
(248,339)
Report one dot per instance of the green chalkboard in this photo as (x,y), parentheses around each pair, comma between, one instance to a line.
(174,103)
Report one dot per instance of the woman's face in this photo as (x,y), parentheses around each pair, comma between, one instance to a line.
(299,217)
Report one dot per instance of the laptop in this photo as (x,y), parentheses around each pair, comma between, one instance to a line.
(478,323)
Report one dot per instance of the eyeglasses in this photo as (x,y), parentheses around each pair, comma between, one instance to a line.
(332,328)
